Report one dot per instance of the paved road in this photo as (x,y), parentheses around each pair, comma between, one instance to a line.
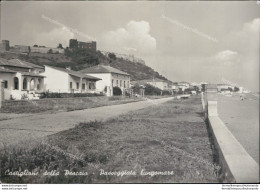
(16,130)
(242,119)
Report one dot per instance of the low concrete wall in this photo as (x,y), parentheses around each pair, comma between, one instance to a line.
(237,165)
(1,93)
(202,101)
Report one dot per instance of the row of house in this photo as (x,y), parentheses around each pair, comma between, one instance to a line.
(22,79)
(164,84)
(158,83)
(181,86)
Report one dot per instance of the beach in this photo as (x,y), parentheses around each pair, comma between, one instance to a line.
(242,119)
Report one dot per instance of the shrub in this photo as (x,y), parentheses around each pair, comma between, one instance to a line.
(24,97)
(113,98)
(117,91)
(50,51)
(230,89)
(187,91)
(67,95)
(180,91)
(136,88)
(91,124)
(166,92)
(127,93)
(236,89)
(82,56)
(151,90)
(112,56)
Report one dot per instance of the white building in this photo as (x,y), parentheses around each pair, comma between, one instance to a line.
(173,86)
(183,85)
(223,87)
(158,83)
(67,81)
(110,76)
(194,84)
(186,84)
(22,80)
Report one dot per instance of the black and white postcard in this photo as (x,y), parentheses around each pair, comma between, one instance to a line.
(129,92)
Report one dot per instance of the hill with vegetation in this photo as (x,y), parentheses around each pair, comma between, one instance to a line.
(79,59)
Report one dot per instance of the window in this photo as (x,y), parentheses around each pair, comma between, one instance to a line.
(124,84)
(112,82)
(83,86)
(16,83)
(120,83)
(6,84)
(24,84)
(77,85)
(117,82)
(70,85)
(128,84)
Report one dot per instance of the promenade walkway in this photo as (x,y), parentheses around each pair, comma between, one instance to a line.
(16,130)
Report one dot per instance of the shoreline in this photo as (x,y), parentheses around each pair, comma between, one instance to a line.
(242,119)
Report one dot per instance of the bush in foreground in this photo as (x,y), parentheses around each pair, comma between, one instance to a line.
(52,155)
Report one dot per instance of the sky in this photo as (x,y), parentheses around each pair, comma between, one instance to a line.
(193,41)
